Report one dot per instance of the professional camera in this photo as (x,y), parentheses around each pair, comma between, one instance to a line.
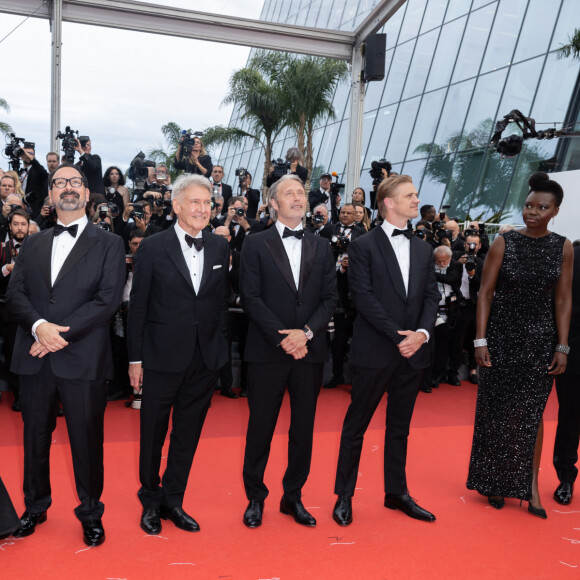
(421,234)
(137,211)
(449,311)
(14,151)
(376,170)
(112,206)
(281,168)
(69,143)
(340,242)
(188,142)
(314,219)
(471,253)
(138,171)
(240,211)
(335,188)
(104,226)
(443,211)
(241,173)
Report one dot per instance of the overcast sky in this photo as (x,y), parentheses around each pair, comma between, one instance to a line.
(118,87)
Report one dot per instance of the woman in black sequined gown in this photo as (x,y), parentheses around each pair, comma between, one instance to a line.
(523,311)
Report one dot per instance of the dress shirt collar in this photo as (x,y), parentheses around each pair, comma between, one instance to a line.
(82,223)
(280,227)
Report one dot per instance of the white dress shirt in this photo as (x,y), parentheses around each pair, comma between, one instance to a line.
(193,258)
(402,248)
(293,247)
(61,247)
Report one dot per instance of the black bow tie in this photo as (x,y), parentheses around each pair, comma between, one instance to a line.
(298,234)
(408,233)
(197,242)
(72,230)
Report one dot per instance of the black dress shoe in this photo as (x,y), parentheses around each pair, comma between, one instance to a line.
(342,513)
(564,493)
(332,384)
(426,389)
(473,379)
(540,512)
(16,406)
(407,505)
(228,393)
(253,513)
(150,521)
(297,509)
(244,392)
(453,380)
(496,502)
(60,412)
(28,523)
(179,518)
(93,533)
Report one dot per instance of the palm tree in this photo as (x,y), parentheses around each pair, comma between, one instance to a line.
(263,113)
(172,133)
(4,127)
(308,84)
(572,48)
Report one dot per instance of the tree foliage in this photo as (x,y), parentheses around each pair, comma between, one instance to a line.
(4,127)
(572,48)
(171,133)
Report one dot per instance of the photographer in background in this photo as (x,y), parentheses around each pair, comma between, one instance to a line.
(103,218)
(317,219)
(245,190)
(220,189)
(448,276)
(238,222)
(428,213)
(361,218)
(140,213)
(12,202)
(290,166)
(327,195)
(90,165)
(379,171)
(115,190)
(192,157)
(472,268)
(33,177)
(456,241)
(52,163)
(47,217)
(478,229)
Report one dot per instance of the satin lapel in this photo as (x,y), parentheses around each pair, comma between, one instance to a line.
(85,242)
(276,248)
(209,257)
(414,264)
(391,260)
(173,249)
(307,260)
(45,256)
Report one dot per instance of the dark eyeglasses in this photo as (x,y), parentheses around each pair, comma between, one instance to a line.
(60,182)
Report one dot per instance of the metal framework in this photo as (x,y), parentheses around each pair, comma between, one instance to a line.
(156,19)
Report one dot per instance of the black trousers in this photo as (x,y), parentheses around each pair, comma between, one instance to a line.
(8,328)
(266,386)
(402,382)
(568,430)
(189,395)
(465,332)
(447,351)
(84,405)
(343,326)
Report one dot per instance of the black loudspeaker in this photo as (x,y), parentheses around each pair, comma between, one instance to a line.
(375,46)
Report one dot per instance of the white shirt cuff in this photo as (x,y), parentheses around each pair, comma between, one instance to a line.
(35,326)
(425,333)
(5,271)
(135,362)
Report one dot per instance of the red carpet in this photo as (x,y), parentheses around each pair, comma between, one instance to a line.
(469,539)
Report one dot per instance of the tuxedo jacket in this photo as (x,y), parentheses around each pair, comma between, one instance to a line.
(91,167)
(378,293)
(85,295)
(452,276)
(253,197)
(6,249)
(272,301)
(226,193)
(166,317)
(36,187)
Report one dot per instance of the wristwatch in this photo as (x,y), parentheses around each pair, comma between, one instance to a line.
(309,334)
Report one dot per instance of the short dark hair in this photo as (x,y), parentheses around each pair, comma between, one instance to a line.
(75,167)
(107,176)
(424,209)
(426,224)
(136,233)
(21,212)
(235,198)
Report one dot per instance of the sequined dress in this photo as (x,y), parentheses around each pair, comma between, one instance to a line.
(512,394)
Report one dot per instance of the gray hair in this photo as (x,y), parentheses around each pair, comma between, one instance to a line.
(293,154)
(186,180)
(273,193)
(443,250)
(321,206)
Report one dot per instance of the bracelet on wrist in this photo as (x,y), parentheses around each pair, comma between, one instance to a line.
(563,348)
(480,342)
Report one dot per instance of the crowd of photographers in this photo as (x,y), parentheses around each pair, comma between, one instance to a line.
(237,211)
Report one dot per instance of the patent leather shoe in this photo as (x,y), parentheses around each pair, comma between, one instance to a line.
(407,505)
(228,393)
(342,513)
(182,520)
(496,502)
(473,379)
(253,513)
(151,520)
(297,509)
(93,533)
(564,493)
(540,512)
(28,523)
(453,380)
(426,389)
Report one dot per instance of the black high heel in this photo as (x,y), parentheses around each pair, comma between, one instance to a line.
(540,512)
(496,502)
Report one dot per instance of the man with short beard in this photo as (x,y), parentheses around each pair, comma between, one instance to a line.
(65,287)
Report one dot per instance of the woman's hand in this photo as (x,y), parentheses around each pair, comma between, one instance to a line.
(558,364)
(482,356)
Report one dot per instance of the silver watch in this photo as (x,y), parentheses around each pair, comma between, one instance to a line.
(309,334)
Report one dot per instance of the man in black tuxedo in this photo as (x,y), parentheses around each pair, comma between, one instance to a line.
(33,176)
(219,187)
(323,195)
(239,222)
(91,166)
(288,290)
(177,343)
(567,388)
(65,287)
(393,288)
(251,195)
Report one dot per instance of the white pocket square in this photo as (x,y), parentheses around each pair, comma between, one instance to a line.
(217,266)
